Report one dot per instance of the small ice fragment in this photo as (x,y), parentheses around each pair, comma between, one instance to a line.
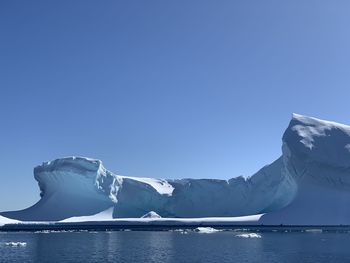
(206,230)
(249,235)
(313,230)
(16,244)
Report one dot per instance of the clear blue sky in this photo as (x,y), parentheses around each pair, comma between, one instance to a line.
(169,89)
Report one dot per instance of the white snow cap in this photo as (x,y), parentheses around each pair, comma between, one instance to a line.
(318,140)
(308,128)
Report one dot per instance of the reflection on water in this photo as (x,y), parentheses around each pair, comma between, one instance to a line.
(152,246)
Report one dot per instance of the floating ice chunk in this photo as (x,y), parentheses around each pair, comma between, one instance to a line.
(181,231)
(316,230)
(43,232)
(16,244)
(206,230)
(249,235)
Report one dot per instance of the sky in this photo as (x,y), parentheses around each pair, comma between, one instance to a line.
(167,89)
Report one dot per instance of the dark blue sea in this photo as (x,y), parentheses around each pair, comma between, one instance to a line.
(169,246)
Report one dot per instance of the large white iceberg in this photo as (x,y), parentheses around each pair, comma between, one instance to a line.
(308,184)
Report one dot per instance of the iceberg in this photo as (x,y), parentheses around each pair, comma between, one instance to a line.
(308,185)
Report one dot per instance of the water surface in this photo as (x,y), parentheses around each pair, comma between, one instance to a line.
(169,246)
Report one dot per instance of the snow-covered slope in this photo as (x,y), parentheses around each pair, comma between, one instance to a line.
(106,215)
(4,221)
(308,184)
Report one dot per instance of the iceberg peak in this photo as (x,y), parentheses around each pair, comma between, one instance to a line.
(318,140)
(316,122)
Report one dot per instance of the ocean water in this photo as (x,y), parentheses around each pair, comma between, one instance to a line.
(169,246)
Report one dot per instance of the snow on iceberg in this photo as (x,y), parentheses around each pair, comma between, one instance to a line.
(160,185)
(106,215)
(308,184)
(151,214)
(4,221)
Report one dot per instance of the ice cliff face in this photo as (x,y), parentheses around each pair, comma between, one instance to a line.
(70,186)
(308,184)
